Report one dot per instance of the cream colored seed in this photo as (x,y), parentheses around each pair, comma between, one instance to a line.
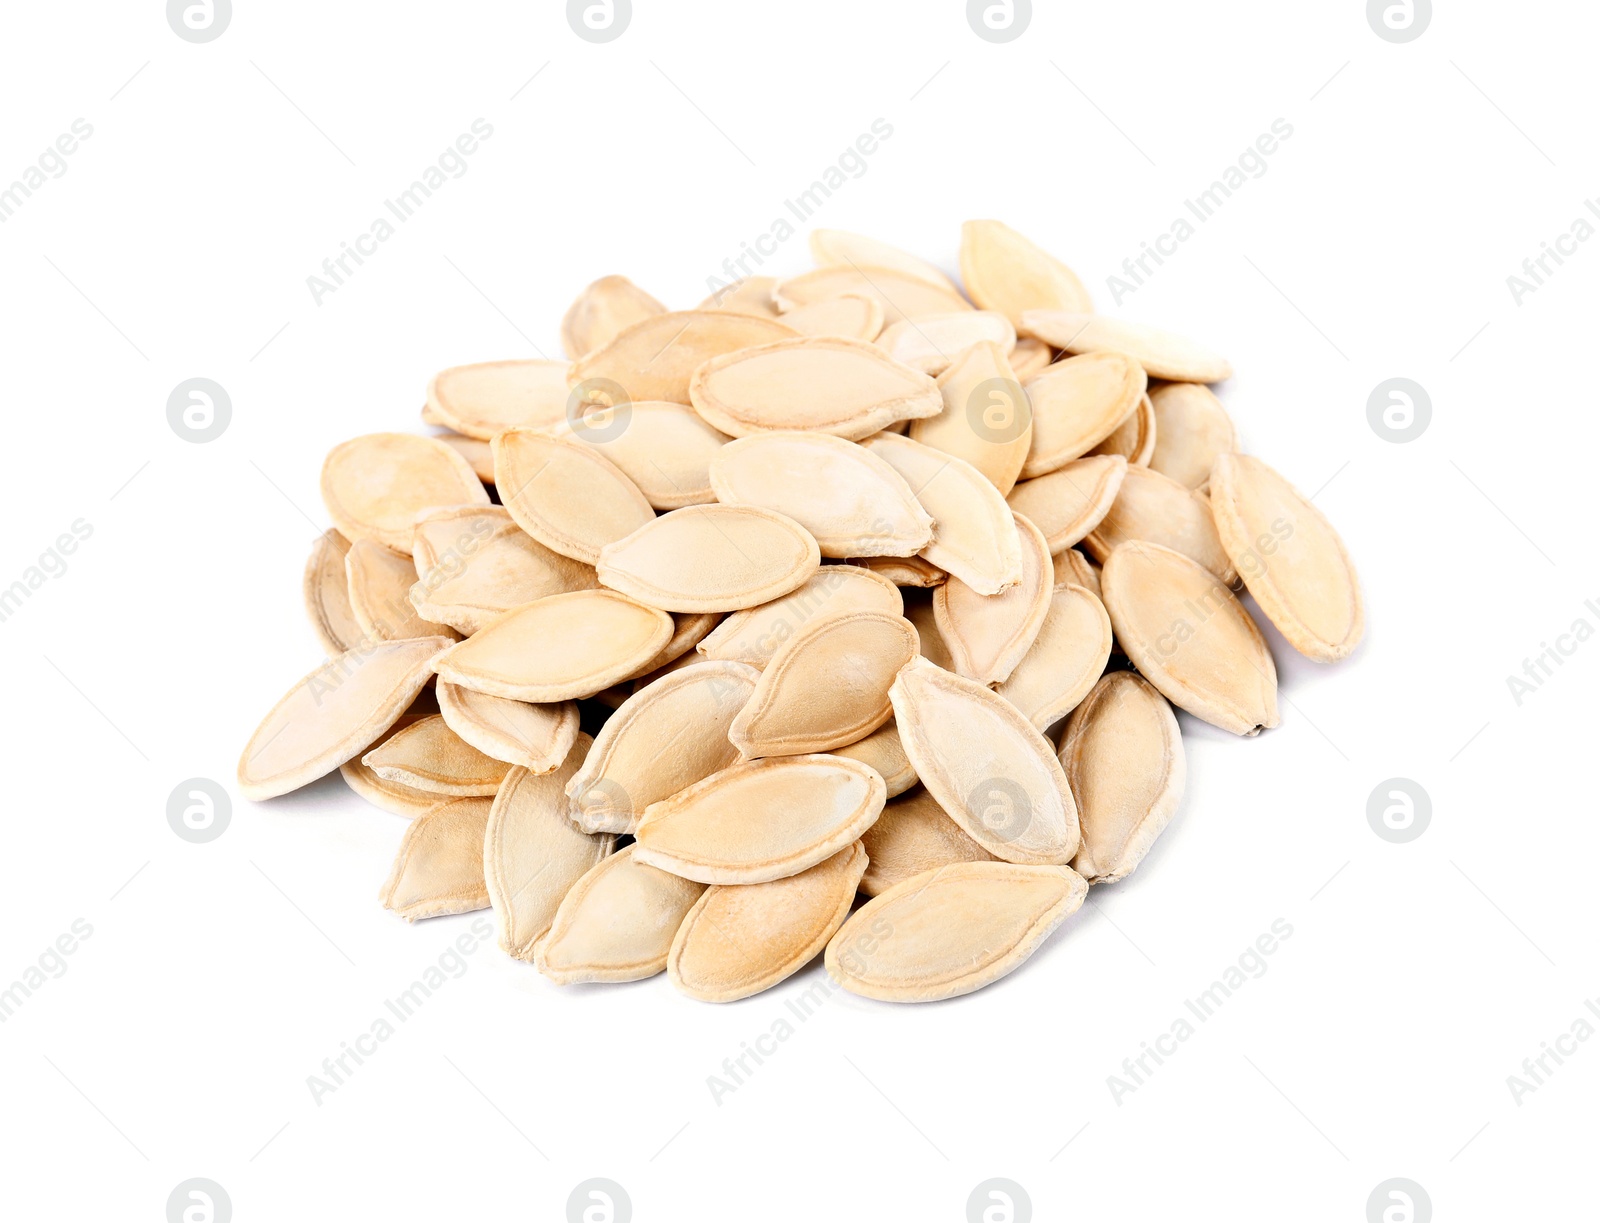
(483,400)
(914,834)
(655,358)
(987,635)
(666,449)
(428,755)
(327,595)
(1077,404)
(1153,507)
(602,312)
(439,869)
(380,581)
(375,486)
(753,636)
(1004,271)
(1068,503)
(1066,658)
(933,343)
(901,294)
(1193,430)
(1135,438)
(566,495)
(850,316)
(985,418)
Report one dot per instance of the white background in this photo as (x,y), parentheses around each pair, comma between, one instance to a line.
(218,977)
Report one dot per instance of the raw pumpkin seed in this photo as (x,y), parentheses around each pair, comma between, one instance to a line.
(987,635)
(380,581)
(1064,661)
(654,358)
(405,801)
(327,595)
(1161,353)
(1029,357)
(931,641)
(1135,438)
(428,755)
(1192,431)
(483,400)
(914,834)
(476,452)
(850,316)
(1077,404)
(931,343)
(664,448)
(901,294)
(883,750)
(482,577)
(1152,507)
(535,737)
(603,311)
(752,295)
(567,495)
(688,630)
(912,571)
(753,636)
(1005,272)
(952,930)
(836,247)
(744,938)
(375,486)
(1075,568)
(1068,503)
(439,868)
(985,419)
(761,820)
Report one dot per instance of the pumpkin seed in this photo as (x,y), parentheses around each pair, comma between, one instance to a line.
(1065,660)
(974,534)
(1135,438)
(1068,503)
(617,923)
(453,532)
(851,501)
(483,400)
(1192,430)
(688,630)
(327,595)
(930,344)
(1152,507)
(1161,353)
(930,640)
(1029,357)
(558,648)
(1077,569)
(664,738)
(755,635)
(884,752)
(838,247)
(566,495)
(375,486)
(752,295)
(986,765)
(761,820)
(476,452)
(985,420)
(849,316)
(900,294)
(1005,272)
(706,558)
(439,868)
(1187,634)
(654,358)
(482,577)
(428,755)
(380,581)
(1077,404)
(603,311)
(913,835)
(535,737)
(664,448)
(912,571)
(987,635)
(532,855)
(821,384)
(1124,760)
(405,801)
(1292,560)
(952,930)
(335,712)
(741,939)
(827,686)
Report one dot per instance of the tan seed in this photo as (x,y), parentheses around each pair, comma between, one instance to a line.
(1161,353)
(838,247)
(1066,658)
(1068,503)
(405,801)
(912,571)
(535,737)
(566,495)
(439,869)
(1077,404)
(987,635)
(1193,430)
(428,755)
(985,418)
(1076,569)
(380,581)
(883,750)
(375,486)
(849,316)
(664,448)
(933,343)
(654,358)
(900,294)
(1029,357)
(753,636)
(603,311)
(1135,438)
(327,595)
(1005,272)
(483,400)
(1152,507)
(483,577)
(914,834)
(752,295)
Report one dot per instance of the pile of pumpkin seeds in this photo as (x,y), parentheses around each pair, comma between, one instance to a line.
(855,583)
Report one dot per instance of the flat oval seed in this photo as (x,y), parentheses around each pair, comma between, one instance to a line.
(914,834)
(974,533)
(1124,761)
(986,765)
(1029,357)
(922,616)
(821,384)
(1292,560)
(931,344)
(664,738)
(447,536)
(327,594)
(439,868)
(826,687)
(1077,569)
(711,558)
(335,712)
(617,923)
(562,648)
(380,581)
(755,635)
(535,737)
(987,635)
(688,629)
(911,571)
(1190,637)
(752,295)
(1151,507)
(476,452)
(1193,430)
(482,400)
(532,855)
(1066,658)
(1005,272)
(1135,438)
(404,801)
(849,316)
(951,931)
(1068,503)
(566,495)
(739,940)
(985,419)
(1077,404)
(901,295)
(838,247)
(850,500)
(1161,353)
(883,750)
(505,570)
(655,358)
(761,820)
(428,755)
(664,448)
(375,486)
(603,311)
